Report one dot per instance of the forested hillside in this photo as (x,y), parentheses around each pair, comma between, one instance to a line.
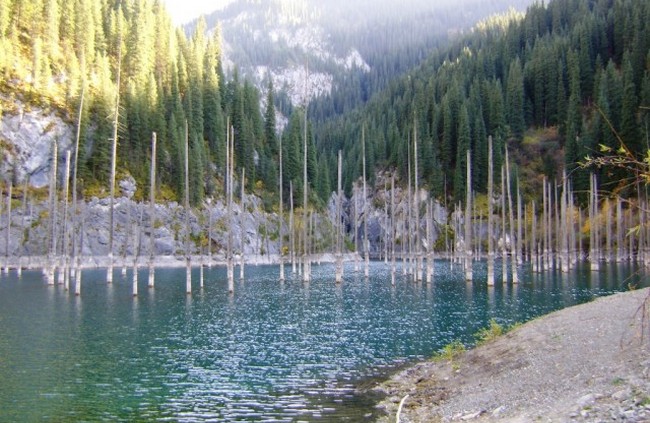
(561,77)
(350,50)
(53,54)
(552,83)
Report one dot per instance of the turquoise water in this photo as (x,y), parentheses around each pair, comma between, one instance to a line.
(271,352)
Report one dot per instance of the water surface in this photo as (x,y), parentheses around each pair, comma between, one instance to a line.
(270,352)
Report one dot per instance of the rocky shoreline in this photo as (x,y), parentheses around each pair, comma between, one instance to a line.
(587,363)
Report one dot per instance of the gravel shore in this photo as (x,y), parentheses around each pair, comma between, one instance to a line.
(587,363)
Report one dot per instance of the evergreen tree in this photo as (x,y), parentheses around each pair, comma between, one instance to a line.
(515,99)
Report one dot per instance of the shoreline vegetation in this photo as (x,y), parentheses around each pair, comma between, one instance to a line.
(588,362)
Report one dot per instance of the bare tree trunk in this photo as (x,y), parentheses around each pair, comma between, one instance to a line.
(608,230)
(430,243)
(504,236)
(65,262)
(338,278)
(109,271)
(620,244)
(306,272)
(280,229)
(533,240)
(490,228)
(469,274)
(386,223)
(152,211)
(564,247)
(77,279)
(53,223)
(520,239)
(19,270)
(188,252)
(558,229)
(127,235)
(513,242)
(75,210)
(242,221)
(8,230)
(230,271)
(137,242)
(593,226)
(292,229)
(210,225)
(409,219)
(366,245)
(392,228)
(416,206)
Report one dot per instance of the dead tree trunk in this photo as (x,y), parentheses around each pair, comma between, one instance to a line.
(490,228)
(469,274)
(188,252)
(152,211)
(339,235)
(111,236)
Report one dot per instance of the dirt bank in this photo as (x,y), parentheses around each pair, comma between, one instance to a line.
(585,363)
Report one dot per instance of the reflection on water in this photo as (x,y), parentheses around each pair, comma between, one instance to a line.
(272,351)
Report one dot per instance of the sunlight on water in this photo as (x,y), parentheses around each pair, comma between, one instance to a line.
(271,352)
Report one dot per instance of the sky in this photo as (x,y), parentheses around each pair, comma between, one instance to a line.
(183,11)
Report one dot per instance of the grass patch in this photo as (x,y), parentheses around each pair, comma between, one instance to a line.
(493,331)
(490,333)
(450,352)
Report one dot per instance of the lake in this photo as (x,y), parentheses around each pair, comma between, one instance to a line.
(270,352)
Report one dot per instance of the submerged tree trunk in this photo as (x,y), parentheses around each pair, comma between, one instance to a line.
(594,253)
(513,243)
(111,236)
(65,262)
(281,218)
(534,258)
(188,258)
(24,216)
(137,242)
(242,240)
(416,206)
(230,271)
(366,244)
(392,229)
(306,272)
(430,244)
(504,235)
(82,226)
(620,245)
(53,223)
(490,228)
(152,211)
(292,229)
(8,226)
(469,275)
(75,206)
(338,278)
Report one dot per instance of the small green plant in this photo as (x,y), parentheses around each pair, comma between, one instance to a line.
(490,333)
(450,351)
(618,381)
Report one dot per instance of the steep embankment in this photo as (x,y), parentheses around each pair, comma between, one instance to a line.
(584,363)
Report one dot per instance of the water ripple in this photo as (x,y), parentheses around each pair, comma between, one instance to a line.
(272,352)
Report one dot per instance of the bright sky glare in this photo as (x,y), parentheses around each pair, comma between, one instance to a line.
(183,11)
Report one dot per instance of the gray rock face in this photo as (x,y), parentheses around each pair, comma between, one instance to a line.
(29,137)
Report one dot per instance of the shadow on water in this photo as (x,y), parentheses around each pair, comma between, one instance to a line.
(270,351)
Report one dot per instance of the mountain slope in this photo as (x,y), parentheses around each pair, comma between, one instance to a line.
(558,67)
(337,49)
